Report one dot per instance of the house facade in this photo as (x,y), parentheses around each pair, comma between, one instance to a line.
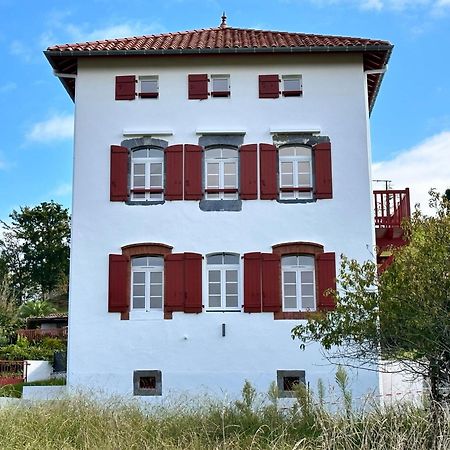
(218,176)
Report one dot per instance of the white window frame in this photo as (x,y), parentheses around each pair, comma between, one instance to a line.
(223,268)
(221,195)
(154,94)
(220,93)
(292,92)
(147,270)
(298,270)
(148,162)
(295,193)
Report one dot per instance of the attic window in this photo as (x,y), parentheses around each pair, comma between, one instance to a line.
(148,86)
(220,85)
(292,85)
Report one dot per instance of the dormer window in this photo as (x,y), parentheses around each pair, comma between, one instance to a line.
(221,173)
(148,86)
(292,85)
(220,85)
(147,169)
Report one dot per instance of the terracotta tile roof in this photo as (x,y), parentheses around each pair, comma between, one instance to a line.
(223,40)
(219,38)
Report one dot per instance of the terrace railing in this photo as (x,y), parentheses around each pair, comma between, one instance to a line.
(38,333)
(391,207)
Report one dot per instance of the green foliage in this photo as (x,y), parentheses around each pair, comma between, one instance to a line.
(405,313)
(35,249)
(9,314)
(39,350)
(15,390)
(36,308)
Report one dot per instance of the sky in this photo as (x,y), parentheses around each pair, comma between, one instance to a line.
(410,123)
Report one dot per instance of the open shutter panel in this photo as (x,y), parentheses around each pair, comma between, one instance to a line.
(268,169)
(197,87)
(248,183)
(174,173)
(322,170)
(126,87)
(193,172)
(118,191)
(193,283)
(118,289)
(252,283)
(269,86)
(271,284)
(326,279)
(174,282)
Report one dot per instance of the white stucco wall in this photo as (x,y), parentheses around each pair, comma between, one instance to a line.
(38,370)
(189,350)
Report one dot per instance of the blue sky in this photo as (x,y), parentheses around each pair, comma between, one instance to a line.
(410,122)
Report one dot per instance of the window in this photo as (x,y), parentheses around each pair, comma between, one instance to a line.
(147,179)
(147,382)
(292,85)
(148,86)
(288,380)
(295,168)
(298,283)
(221,173)
(223,281)
(147,283)
(220,85)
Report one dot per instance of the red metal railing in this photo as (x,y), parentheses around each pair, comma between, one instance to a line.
(391,207)
(38,333)
(12,372)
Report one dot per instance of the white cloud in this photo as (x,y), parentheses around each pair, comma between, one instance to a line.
(7,87)
(56,128)
(424,166)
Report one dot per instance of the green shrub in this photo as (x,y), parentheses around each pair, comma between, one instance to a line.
(39,350)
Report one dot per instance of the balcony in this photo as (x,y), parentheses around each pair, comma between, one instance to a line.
(39,333)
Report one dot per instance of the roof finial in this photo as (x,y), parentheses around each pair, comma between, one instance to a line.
(224,20)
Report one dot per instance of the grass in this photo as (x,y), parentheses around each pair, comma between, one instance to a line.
(15,390)
(202,424)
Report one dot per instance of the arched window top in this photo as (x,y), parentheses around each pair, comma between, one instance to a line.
(147,152)
(221,153)
(147,261)
(295,151)
(298,261)
(222,258)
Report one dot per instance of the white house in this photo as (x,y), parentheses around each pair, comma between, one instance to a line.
(218,176)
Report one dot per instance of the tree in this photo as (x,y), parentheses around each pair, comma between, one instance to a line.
(9,317)
(36,308)
(35,249)
(402,315)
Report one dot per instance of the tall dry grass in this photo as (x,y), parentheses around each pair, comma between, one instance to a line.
(82,423)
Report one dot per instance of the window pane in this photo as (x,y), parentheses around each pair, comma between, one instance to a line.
(138,277)
(139,169)
(231,275)
(229,168)
(213,181)
(292,84)
(303,151)
(213,153)
(290,302)
(138,302)
(289,277)
(304,180)
(214,288)
(307,302)
(307,277)
(156,196)
(156,277)
(138,196)
(287,195)
(155,153)
(287,167)
(290,290)
(229,153)
(214,301)
(149,86)
(232,288)
(220,84)
(303,167)
(139,262)
(212,196)
(231,301)
(287,180)
(306,261)
(212,168)
(287,151)
(156,180)
(141,153)
(156,302)
(229,181)
(139,181)
(289,261)
(214,259)
(307,289)
(230,196)
(156,168)
(156,290)
(138,290)
(304,195)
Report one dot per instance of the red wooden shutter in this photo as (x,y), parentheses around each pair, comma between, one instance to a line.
(197,87)
(252,282)
(193,283)
(118,191)
(271,282)
(193,172)
(322,170)
(118,289)
(248,183)
(174,172)
(126,87)
(174,282)
(268,172)
(326,279)
(269,86)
